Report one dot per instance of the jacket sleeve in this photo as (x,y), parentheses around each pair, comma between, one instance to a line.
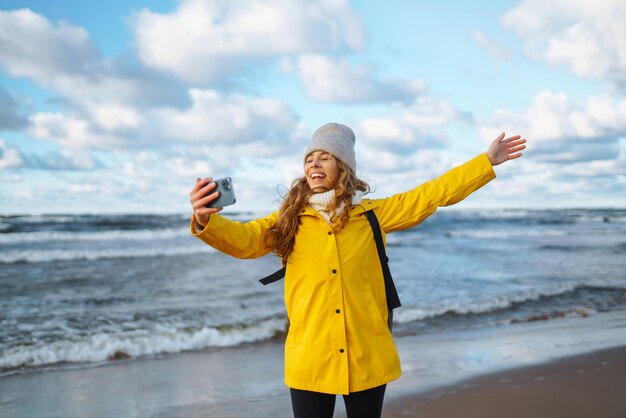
(238,239)
(405,210)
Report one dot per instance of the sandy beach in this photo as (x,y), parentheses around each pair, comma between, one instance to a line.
(570,367)
(584,386)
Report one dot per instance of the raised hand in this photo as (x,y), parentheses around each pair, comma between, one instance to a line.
(502,150)
(199,197)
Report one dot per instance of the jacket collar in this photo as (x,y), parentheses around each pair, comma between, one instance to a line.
(365,205)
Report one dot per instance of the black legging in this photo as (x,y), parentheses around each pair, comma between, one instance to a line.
(364,404)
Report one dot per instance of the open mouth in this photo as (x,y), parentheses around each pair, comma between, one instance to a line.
(316,176)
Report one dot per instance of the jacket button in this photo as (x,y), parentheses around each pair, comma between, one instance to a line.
(330,233)
(338,310)
(303,210)
(334,271)
(341,350)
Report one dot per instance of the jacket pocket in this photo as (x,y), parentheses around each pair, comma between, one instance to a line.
(296,322)
(378,324)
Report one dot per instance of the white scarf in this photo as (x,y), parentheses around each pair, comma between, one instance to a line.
(320,201)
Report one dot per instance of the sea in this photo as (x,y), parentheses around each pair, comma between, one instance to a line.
(90,290)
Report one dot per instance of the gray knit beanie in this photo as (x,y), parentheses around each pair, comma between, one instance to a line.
(335,139)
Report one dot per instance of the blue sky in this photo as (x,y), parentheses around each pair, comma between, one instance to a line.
(118,106)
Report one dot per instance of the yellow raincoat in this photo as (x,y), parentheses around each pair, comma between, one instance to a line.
(338,340)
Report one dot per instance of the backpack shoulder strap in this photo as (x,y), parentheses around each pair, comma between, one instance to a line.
(274,277)
(393,301)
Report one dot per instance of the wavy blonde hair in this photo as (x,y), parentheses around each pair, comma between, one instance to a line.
(282,235)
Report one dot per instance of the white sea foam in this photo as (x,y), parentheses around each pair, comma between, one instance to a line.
(40,256)
(161,340)
(36,219)
(463,307)
(111,235)
(405,238)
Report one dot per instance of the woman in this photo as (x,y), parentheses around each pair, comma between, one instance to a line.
(338,341)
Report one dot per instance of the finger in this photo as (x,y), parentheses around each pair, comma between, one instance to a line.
(516,149)
(199,184)
(208,199)
(195,188)
(499,138)
(207,189)
(517,141)
(199,203)
(513,138)
(199,194)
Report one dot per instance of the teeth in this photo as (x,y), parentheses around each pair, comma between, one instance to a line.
(317,175)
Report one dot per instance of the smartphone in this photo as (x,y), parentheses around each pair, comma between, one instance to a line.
(227,193)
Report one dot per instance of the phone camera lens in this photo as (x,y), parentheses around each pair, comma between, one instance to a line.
(225,184)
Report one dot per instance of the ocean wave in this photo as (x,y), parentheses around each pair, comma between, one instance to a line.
(89,223)
(616,248)
(42,256)
(603,218)
(583,312)
(495,304)
(565,247)
(502,233)
(160,340)
(89,227)
(37,219)
(543,216)
(405,238)
(490,214)
(110,235)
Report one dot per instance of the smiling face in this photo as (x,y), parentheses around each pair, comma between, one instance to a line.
(321,171)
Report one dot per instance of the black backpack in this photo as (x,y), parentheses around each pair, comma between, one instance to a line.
(393,301)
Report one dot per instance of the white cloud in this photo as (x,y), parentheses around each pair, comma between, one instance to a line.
(563,130)
(69,131)
(237,125)
(203,39)
(588,37)
(9,157)
(116,117)
(235,119)
(156,135)
(183,167)
(63,58)
(404,127)
(334,80)
(30,46)
(108,106)
(420,163)
(66,159)
(9,112)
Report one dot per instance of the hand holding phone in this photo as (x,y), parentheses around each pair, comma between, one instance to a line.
(226,193)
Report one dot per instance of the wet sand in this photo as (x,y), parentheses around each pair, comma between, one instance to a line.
(592,385)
